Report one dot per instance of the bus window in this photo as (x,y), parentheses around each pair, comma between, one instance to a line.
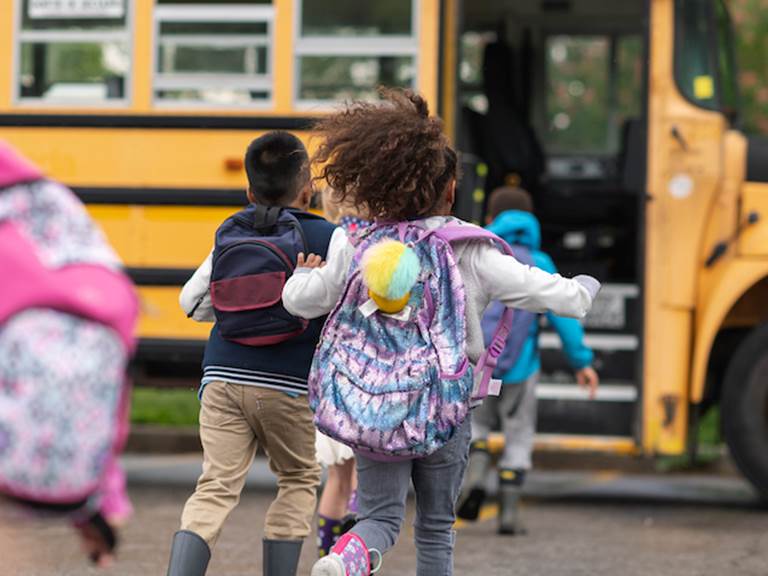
(73,54)
(695,63)
(577,93)
(471,69)
(210,56)
(593,90)
(346,48)
(354,18)
(705,64)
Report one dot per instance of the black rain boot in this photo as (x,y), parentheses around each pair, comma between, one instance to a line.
(473,493)
(510,489)
(281,557)
(189,555)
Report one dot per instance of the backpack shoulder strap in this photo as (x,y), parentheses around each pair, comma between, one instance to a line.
(486,364)
(453,232)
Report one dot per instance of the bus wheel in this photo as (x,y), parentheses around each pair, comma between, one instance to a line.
(744,408)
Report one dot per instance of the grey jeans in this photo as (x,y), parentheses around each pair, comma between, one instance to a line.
(382,492)
(514,410)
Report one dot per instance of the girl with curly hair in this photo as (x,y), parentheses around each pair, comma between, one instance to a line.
(394,161)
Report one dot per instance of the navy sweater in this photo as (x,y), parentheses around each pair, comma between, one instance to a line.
(283,366)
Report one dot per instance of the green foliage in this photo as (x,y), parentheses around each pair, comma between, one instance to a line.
(750,18)
(75,63)
(709,449)
(586,109)
(168,407)
(353,17)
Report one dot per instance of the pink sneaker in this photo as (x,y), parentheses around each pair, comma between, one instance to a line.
(349,557)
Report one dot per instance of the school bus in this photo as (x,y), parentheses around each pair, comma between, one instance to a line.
(620,117)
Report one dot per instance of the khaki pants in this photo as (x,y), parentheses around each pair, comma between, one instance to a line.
(234,421)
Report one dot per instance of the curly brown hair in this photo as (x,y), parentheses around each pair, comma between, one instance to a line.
(393,159)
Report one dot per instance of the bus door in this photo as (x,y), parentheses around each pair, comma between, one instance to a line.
(551,97)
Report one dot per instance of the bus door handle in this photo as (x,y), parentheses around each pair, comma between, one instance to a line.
(679,138)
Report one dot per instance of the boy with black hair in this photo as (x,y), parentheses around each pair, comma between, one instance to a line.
(254,394)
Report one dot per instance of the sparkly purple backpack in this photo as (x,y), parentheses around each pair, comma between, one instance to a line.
(397,386)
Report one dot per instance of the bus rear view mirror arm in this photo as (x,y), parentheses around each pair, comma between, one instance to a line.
(722,247)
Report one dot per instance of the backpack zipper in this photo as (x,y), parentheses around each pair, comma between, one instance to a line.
(295,225)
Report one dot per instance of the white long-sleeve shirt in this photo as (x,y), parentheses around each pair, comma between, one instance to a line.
(488,275)
(195,296)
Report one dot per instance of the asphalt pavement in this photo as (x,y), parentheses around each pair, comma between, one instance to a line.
(591,523)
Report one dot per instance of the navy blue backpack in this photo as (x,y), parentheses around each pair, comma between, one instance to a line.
(521,324)
(254,255)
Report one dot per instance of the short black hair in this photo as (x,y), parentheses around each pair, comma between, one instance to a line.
(277,166)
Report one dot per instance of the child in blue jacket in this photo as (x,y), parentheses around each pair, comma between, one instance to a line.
(510,216)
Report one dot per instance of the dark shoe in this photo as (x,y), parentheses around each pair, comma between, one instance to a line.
(189,555)
(510,489)
(347,523)
(281,557)
(473,493)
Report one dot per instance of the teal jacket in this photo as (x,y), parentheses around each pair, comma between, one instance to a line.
(523,229)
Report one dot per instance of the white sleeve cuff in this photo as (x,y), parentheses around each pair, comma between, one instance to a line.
(590,284)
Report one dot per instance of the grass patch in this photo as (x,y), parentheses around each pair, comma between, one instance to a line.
(709,450)
(709,428)
(165,407)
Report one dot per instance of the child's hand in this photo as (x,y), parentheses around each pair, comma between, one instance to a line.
(98,540)
(311,261)
(588,378)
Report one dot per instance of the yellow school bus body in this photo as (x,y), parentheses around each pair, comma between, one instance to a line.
(170,237)
(685,303)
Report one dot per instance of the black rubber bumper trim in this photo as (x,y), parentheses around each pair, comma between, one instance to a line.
(160,276)
(163,348)
(160,122)
(162,196)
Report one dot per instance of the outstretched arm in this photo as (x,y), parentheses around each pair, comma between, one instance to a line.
(521,286)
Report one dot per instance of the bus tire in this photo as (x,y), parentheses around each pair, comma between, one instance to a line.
(744,408)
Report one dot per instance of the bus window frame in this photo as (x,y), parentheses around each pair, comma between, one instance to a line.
(332,46)
(206,13)
(713,53)
(20,36)
(733,116)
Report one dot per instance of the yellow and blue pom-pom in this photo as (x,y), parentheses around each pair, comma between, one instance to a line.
(390,270)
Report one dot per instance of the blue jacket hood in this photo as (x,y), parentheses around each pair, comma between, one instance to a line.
(518,228)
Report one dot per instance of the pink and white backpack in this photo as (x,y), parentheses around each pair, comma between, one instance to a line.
(67,315)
